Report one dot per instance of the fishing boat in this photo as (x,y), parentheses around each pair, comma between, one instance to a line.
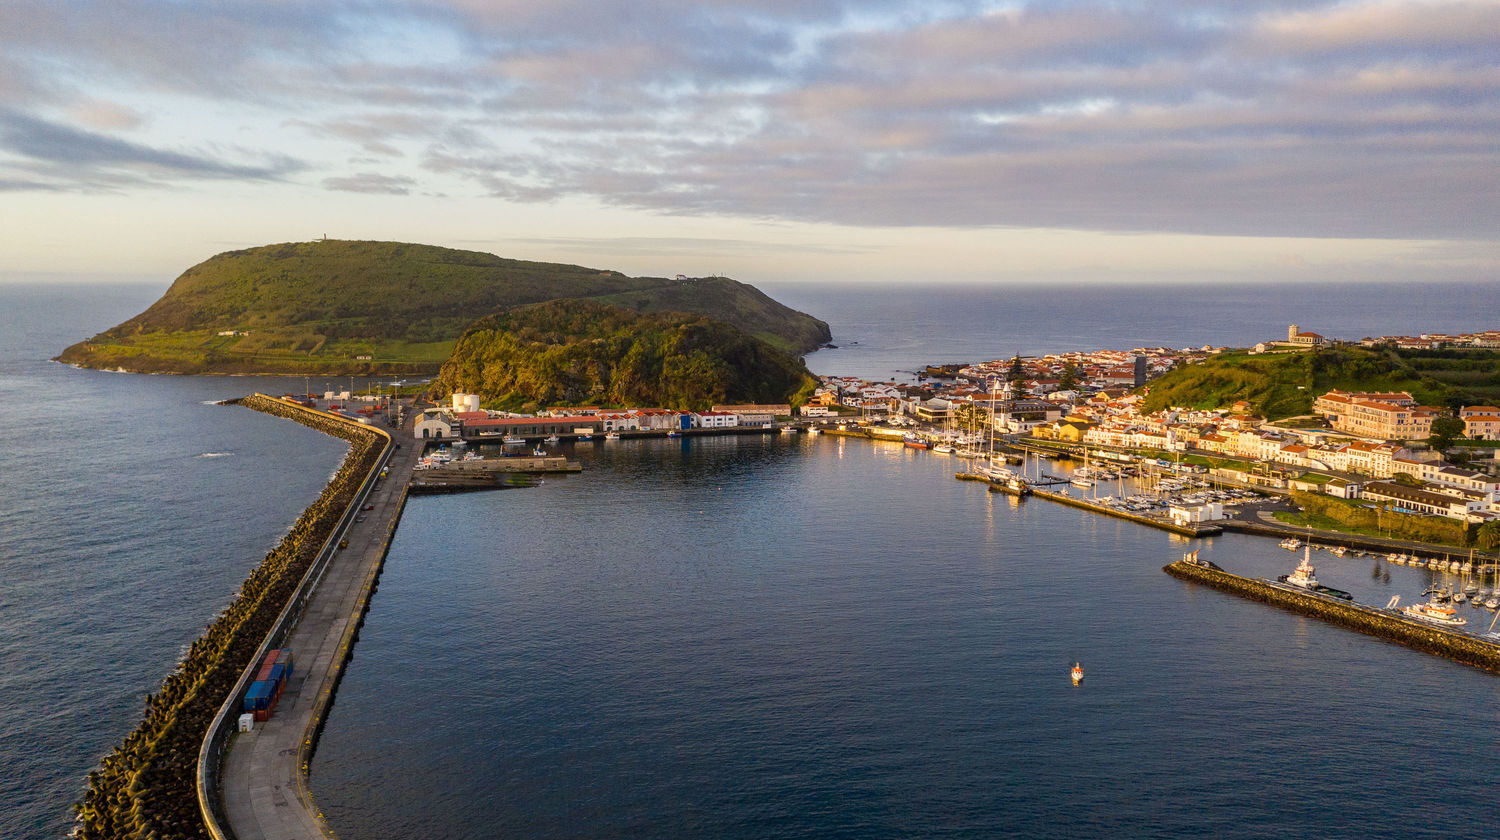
(612,436)
(584,438)
(674,433)
(1077,673)
(1290,543)
(914,442)
(1435,613)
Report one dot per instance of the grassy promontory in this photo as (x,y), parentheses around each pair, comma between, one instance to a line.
(1282,385)
(147,787)
(581,352)
(386,307)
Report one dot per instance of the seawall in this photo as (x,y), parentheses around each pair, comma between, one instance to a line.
(1369,620)
(218,786)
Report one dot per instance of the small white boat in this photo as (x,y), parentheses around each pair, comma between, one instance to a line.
(1077,673)
(943,449)
(511,440)
(788,430)
(814,430)
(551,440)
(612,436)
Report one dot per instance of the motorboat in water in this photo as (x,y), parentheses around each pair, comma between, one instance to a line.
(1077,673)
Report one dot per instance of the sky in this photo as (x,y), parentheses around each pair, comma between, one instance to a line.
(778,140)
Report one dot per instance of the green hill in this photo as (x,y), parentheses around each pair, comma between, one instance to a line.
(1285,385)
(387,307)
(583,352)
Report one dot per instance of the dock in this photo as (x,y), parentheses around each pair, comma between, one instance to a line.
(262,781)
(1386,624)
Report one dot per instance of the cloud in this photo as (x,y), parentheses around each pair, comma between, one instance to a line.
(371,182)
(82,156)
(1370,118)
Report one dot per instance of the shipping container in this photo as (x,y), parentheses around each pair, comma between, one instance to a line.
(265,671)
(258,697)
(278,674)
(264,714)
(286,659)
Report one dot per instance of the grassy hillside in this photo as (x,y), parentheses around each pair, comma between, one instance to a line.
(1285,385)
(583,352)
(322,307)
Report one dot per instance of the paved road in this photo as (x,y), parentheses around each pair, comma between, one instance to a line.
(264,788)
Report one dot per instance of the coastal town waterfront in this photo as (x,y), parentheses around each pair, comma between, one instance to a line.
(154,547)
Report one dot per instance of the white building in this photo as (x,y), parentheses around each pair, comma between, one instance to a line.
(715,419)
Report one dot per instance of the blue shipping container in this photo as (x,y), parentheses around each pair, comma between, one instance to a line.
(259,696)
(278,673)
(286,659)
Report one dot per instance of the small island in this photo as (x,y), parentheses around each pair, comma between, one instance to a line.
(350,307)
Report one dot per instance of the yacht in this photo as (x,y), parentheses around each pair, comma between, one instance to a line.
(1435,613)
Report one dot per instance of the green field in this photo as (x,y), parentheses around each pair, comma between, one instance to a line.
(1285,385)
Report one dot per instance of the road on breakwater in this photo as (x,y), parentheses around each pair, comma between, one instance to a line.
(264,781)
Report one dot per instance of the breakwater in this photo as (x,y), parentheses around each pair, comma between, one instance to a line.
(1388,625)
(1361,542)
(148,787)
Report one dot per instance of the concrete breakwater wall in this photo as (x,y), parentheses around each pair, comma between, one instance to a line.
(1364,619)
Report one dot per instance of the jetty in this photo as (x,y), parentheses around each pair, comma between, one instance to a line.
(252,785)
(1386,624)
(1029,488)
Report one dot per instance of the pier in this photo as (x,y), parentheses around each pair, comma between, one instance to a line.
(261,780)
(1386,624)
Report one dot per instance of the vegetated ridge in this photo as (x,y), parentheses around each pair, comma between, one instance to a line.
(1285,385)
(333,306)
(575,352)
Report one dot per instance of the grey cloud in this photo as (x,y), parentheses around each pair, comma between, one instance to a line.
(371,182)
(1300,117)
(63,148)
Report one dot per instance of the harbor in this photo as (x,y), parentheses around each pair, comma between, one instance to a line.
(1389,624)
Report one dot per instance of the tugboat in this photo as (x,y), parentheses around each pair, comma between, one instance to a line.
(1077,673)
(1303,577)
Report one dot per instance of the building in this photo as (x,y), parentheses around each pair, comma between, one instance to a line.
(716,419)
(435,425)
(1419,500)
(1383,416)
(776,410)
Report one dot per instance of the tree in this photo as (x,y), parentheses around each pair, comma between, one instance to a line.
(1016,376)
(1069,379)
(971,416)
(1445,430)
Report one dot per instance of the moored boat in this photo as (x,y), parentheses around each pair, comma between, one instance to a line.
(1435,613)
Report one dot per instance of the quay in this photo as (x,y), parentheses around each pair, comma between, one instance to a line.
(1385,624)
(1029,489)
(258,789)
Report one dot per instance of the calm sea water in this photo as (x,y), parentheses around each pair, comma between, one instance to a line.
(736,637)
(882,331)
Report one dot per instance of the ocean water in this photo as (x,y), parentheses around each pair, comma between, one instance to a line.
(131,508)
(736,637)
(885,332)
(826,638)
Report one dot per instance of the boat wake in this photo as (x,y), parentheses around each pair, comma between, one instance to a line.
(215,454)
